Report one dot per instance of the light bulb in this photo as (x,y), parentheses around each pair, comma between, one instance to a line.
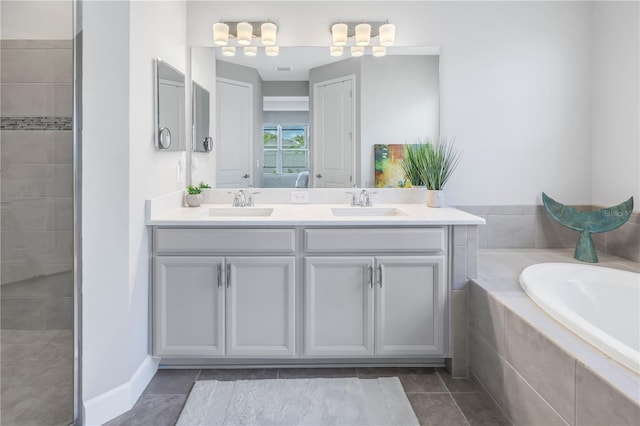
(268,33)
(336,50)
(357,51)
(339,34)
(244,32)
(250,50)
(220,34)
(271,50)
(379,51)
(363,34)
(228,50)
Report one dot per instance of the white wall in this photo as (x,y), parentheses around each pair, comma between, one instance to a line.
(36,20)
(203,71)
(121,169)
(616,103)
(514,83)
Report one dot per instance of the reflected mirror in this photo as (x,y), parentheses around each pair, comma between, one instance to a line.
(202,140)
(306,119)
(169,108)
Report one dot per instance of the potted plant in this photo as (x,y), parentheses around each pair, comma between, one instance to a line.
(431,164)
(193,196)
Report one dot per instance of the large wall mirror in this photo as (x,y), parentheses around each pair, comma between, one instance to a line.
(306,119)
(169,108)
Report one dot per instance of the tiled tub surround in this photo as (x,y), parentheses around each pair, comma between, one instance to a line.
(535,370)
(531,227)
(36,158)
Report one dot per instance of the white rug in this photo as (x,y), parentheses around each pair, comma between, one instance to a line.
(298,402)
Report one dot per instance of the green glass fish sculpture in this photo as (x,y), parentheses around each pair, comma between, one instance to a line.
(587,223)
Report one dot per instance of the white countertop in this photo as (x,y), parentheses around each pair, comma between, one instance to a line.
(314,215)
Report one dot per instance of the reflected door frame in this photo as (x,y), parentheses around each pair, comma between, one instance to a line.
(246,112)
(317,141)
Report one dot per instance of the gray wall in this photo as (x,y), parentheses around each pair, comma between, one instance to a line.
(285,88)
(286,117)
(250,76)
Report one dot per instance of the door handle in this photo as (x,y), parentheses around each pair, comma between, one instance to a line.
(319,175)
(380,275)
(246,176)
(228,275)
(370,276)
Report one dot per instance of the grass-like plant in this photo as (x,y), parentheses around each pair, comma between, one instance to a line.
(193,190)
(441,159)
(204,185)
(414,162)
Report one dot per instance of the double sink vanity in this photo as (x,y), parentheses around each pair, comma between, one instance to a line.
(291,284)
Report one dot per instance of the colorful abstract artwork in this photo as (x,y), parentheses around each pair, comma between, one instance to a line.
(388,166)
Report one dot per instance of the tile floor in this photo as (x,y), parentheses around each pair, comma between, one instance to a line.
(436,397)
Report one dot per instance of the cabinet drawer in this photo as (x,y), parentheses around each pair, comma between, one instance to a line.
(205,241)
(375,240)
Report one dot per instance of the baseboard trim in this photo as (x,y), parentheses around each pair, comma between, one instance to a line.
(114,402)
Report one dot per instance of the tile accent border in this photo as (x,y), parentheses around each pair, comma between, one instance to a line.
(36,123)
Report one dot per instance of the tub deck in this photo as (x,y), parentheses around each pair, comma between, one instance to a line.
(518,352)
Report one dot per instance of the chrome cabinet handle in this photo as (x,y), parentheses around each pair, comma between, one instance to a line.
(164,138)
(380,275)
(228,275)
(370,276)
(219,275)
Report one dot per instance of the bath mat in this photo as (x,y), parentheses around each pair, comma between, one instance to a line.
(299,402)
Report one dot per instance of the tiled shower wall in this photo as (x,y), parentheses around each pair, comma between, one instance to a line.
(532,227)
(36,150)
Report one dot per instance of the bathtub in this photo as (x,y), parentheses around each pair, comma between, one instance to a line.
(601,305)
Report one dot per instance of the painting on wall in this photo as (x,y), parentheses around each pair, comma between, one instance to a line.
(388,166)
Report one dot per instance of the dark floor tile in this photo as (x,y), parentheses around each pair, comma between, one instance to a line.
(173,382)
(421,383)
(436,409)
(311,373)
(156,410)
(457,385)
(238,374)
(477,409)
(375,372)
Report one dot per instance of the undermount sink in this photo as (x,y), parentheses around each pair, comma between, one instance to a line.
(241,212)
(367,211)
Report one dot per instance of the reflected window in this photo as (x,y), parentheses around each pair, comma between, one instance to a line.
(286,148)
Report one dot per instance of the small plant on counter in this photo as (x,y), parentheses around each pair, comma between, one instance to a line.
(441,159)
(204,185)
(414,162)
(194,190)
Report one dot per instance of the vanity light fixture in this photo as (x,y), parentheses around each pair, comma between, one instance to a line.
(336,50)
(379,51)
(271,50)
(363,34)
(244,32)
(339,34)
(229,50)
(250,51)
(357,51)
(220,34)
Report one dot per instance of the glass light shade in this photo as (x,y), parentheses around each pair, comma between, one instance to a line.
(363,34)
(268,33)
(357,51)
(379,51)
(244,32)
(229,50)
(271,50)
(387,34)
(336,50)
(250,50)
(220,34)
(339,34)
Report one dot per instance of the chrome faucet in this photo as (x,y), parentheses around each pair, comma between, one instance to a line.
(242,199)
(362,199)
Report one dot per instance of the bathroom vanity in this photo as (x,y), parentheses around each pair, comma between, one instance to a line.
(303,284)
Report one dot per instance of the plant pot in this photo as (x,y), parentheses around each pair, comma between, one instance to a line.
(193,200)
(435,198)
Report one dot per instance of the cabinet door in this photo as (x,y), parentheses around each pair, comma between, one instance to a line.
(261,306)
(188,306)
(338,312)
(410,305)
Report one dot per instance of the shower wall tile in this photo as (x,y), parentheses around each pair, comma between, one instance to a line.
(550,234)
(37,99)
(38,65)
(22,313)
(625,242)
(59,313)
(27,147)
(35,44)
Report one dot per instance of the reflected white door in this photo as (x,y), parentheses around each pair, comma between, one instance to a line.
(334,133)
(234,130)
